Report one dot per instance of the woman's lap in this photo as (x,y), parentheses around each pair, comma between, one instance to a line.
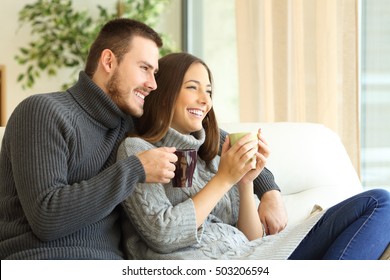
(356,228)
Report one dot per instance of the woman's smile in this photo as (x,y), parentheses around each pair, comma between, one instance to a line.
(196,112)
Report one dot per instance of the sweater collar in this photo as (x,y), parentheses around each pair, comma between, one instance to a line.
(96,102)
(173,138)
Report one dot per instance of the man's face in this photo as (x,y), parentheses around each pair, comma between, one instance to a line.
(133,79)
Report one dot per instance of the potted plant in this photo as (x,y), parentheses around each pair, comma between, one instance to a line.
(63,35)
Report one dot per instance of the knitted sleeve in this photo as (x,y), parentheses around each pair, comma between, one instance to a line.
(165,228)
(264,182)
(59,194)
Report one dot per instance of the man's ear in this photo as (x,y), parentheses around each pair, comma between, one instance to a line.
(108,60)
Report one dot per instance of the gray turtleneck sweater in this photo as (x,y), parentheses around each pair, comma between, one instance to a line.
(160,221)
(60,183)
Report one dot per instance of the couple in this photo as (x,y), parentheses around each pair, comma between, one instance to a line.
(62,189)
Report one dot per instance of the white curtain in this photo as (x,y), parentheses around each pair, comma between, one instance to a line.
(298,62)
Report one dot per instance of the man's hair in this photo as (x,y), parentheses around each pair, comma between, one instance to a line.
(116,36)
(153,125)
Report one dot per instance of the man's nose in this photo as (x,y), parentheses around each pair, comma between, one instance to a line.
(151,83)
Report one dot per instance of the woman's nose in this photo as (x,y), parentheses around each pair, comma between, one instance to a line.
(204,98)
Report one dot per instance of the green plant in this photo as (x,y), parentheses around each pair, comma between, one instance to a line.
(62,35)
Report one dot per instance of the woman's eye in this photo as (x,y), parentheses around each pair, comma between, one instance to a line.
(191,87)
(209,92)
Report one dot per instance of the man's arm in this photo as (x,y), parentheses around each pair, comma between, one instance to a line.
(272,212)
(60,189)
(265,182)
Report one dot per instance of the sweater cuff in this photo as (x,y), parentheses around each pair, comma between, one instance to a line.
(137,174)
(264,182)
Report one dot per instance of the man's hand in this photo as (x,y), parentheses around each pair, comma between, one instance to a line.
(272,212)
(159,164)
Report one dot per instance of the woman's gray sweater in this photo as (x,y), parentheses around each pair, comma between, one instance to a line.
(161,222)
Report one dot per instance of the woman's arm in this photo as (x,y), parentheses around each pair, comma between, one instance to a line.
(272,211)
(248,220)
(164,227)
(233,166)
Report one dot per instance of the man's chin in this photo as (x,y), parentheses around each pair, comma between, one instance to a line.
(136,114)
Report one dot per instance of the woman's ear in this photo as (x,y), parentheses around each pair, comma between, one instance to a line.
(108,60)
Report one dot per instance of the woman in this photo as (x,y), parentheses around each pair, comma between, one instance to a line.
(217,218)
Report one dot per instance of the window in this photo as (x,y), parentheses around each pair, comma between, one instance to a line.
(211,35)
(375,93)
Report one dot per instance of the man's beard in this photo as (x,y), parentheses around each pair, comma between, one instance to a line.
(114,92)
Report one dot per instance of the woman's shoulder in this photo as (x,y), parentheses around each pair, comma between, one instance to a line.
(133,145)
(137,142)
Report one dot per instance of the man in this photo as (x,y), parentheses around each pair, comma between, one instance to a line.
(60,185)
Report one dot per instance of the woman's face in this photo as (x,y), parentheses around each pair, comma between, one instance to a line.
(194,100)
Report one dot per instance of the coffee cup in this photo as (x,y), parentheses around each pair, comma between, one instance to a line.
(185,167)
(234,137)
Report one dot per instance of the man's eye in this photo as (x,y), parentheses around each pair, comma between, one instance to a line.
(144,68)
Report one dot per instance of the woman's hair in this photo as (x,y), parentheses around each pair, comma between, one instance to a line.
(153,125)
(116,36)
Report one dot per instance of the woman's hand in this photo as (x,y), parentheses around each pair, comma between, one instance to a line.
(232,166)
(235,161)
(261,159)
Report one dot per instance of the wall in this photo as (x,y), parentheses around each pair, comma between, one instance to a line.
(13,37)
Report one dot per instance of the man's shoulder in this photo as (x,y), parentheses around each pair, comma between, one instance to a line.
(45,97)
(41,106)
(43,100)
